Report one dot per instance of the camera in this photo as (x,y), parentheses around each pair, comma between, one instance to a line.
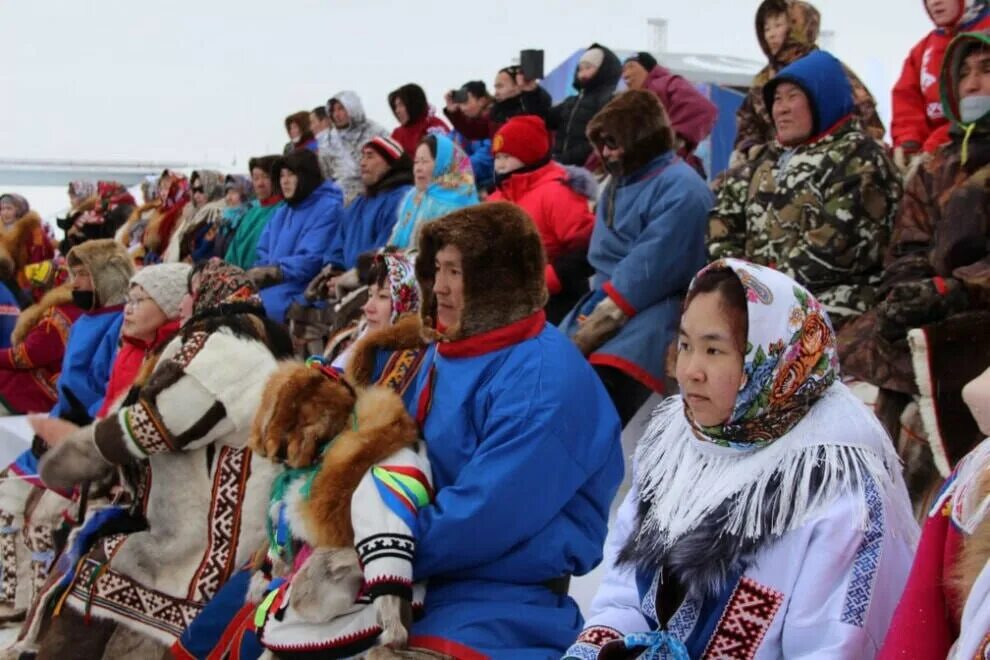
(460,95)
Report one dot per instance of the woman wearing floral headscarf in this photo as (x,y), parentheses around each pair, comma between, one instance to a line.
(444,182)
(151,226)
(199,493)
(768,517)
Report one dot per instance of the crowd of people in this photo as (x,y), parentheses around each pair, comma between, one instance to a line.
(366,398)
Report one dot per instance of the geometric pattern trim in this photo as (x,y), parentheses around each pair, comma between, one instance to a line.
(745,621)
(864,573)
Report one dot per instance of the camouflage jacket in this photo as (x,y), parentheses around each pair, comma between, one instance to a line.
(821,213)
(941,231)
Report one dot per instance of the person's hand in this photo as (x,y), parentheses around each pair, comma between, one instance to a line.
(51,429)
(265,276)
(600,326)
(449,100)
(904,155)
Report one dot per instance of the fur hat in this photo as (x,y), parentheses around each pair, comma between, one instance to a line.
(502,261)
(110,267)
(16,243)
(638,123)
(166,284)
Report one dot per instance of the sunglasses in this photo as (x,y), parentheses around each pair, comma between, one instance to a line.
(198,189)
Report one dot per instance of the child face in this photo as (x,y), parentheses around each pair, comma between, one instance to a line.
(775,29)
(709,360)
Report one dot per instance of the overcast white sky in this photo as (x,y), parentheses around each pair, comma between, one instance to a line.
(212,80)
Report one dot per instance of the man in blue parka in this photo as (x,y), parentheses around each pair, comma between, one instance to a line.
(648,242)
(523,442)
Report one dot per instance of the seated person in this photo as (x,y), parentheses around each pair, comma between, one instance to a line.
(557,199)
(242,244)
(819,201)
(750,509)
(292,245)
(648,240)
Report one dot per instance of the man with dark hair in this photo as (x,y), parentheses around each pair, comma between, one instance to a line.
(469,109)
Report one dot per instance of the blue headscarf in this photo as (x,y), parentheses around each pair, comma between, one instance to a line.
(451,187)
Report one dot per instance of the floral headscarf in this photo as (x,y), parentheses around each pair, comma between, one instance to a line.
(791,358)
(223,284)
(401,281)
(178,190)
(19,202)
(451,187)
(82,189)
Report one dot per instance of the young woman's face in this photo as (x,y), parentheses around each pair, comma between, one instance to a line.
(505,86)
(142,315)
(709,360)
(232,198)
(423,165)
(400,111)
(8,212)
(378,309)
(944,12)
(775,29)
(288,181)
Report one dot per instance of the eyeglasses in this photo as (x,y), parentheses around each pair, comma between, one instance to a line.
(134,302)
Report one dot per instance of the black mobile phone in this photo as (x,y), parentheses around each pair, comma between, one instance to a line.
(531,64)
(460,95)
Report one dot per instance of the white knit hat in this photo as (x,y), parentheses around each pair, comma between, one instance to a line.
(593,56)
(167,284)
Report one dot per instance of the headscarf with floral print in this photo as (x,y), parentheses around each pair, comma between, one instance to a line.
(223,284)
(791,358)
(401,281)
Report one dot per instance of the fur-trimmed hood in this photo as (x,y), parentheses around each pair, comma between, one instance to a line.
(110,266)
(405,334)
(32,316)
(502,261)
(15,243)
(802,38)
(638,123)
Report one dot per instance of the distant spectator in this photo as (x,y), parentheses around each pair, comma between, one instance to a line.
(340,159)
(245,232)
(415,117)
(300,133)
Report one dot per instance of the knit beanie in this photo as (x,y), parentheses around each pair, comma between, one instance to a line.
(593,56)
(644,59)
(525,137)
(386,147)
(166,284)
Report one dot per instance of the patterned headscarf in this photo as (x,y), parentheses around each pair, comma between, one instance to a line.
(451,187)
(791,358)
(401,280)
(82,189)
(211,181)
(223,284)
(178,190)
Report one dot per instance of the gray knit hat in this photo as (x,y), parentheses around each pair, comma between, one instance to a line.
(166,284)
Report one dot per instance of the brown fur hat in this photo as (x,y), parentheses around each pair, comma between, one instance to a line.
(503,263)
(30,317)
(637,121)
(15,244)
(110,266)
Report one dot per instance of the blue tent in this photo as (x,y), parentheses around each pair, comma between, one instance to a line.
(722,79)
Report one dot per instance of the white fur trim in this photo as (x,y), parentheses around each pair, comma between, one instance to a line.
(918,342)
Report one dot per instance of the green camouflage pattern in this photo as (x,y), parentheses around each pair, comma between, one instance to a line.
(821,213)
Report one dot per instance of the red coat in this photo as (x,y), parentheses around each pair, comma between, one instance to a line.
(560,214)
(691,114)
(409,135)
(917,105)
(127,364)
(30,368)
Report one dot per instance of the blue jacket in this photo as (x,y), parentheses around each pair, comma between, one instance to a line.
(89,355)
(296,240)
(482,160)
(526,457)
(9,311)
(365,225)
(645,260)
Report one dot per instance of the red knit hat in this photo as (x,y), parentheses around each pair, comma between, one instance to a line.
(524,137)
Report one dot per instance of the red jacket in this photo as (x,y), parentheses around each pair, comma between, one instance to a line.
(30,368)
(128,363)
(561,214)
(409,135)
(691,114)
(917,104)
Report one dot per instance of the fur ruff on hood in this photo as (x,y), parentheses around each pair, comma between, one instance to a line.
(110,266)
(403,335)
(31,317)
(15,243)
(503,264)
(638,123)
(302,410)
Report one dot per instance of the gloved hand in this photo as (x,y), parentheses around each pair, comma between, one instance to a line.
(319,286)
(904,154)
(601,325)
(918,303)
(265,276)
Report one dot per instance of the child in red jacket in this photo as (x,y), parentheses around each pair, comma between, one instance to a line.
(918,124)
(557,200)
